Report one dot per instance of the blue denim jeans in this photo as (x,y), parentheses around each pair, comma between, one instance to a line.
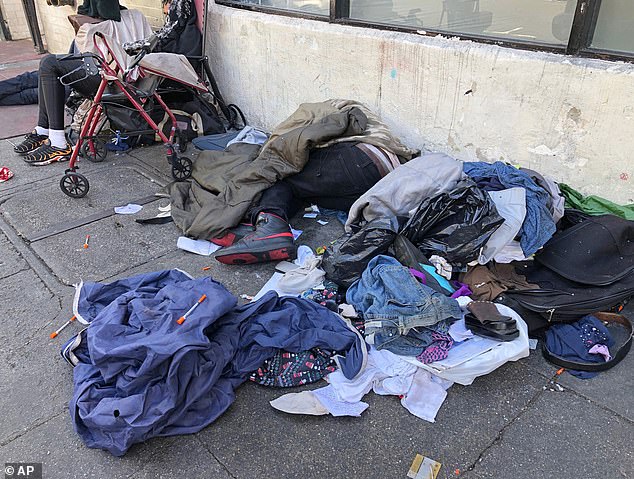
(398,310)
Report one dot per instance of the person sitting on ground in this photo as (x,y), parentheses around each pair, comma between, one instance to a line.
(334,178)
(47,143)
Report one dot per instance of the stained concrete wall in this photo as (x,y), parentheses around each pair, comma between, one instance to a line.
(570,118)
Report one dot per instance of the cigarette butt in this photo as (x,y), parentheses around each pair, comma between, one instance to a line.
(206,268)
(87,241)
(560,371)
(181,320)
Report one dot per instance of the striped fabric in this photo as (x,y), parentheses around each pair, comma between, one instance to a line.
(384,160)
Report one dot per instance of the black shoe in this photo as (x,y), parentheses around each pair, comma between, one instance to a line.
(47,154)
(31,142)
(234,235)
(272,240)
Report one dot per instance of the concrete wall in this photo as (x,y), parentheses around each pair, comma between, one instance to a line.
(59,32)
(569,118)
(15,17)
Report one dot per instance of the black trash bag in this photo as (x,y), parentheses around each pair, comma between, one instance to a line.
(454,225)
(349,255)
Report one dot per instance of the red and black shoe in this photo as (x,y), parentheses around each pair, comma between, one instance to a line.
(272,240)
(233,235)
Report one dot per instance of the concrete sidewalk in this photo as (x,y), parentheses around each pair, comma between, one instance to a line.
(509,424)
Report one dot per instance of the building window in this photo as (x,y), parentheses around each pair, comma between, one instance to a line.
(615,26)
(579,27)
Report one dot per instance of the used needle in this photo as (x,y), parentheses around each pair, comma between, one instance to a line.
(54,334)
(182,319)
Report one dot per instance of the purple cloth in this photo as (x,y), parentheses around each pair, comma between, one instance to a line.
(437,350)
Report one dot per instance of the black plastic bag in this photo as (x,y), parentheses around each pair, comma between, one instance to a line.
(349,255)
(454,225)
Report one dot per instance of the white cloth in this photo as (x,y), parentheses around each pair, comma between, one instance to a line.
(443,268)
(128,209)
(511,205)
(459,332)
(307,275)
(386,374)
(494,354)
(511,252)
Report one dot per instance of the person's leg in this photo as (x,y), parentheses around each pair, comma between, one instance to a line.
(39,135)
(270,237)
(279,200)
(12,87)
(52,97)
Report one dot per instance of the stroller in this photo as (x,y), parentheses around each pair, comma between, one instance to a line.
(133,83)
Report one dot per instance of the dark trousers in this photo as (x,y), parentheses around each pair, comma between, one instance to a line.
(51,92)
(334,178)
(19,90)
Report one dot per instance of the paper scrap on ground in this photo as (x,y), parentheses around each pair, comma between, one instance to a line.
(296,233)
(310,215)
(322,222)
(201,247)
(128,209)
(532,343)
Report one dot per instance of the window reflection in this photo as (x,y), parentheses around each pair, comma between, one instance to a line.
(615,26)
(528,20)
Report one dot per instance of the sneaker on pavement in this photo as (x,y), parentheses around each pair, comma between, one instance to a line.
(233,235)
(272,240)
(31,142)
(47,154)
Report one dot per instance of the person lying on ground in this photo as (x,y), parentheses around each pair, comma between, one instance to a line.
(19,90)
(334,178)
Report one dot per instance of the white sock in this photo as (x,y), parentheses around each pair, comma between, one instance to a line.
(41,131)
(57,138)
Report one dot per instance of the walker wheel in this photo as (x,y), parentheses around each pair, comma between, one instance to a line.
(74,185)
(98,152)
(181,168)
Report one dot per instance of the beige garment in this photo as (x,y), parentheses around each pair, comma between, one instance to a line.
(133,26)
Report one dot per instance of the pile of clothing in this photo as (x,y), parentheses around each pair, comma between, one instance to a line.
(444,270)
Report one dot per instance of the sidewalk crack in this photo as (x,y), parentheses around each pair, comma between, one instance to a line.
(226,469)
(31,428)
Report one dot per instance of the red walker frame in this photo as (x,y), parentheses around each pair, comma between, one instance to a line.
(76,185)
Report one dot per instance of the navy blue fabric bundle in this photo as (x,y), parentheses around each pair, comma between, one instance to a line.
(538,225)
(573,342)
(143,375)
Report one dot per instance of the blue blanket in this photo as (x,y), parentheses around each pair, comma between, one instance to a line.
(142,375)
